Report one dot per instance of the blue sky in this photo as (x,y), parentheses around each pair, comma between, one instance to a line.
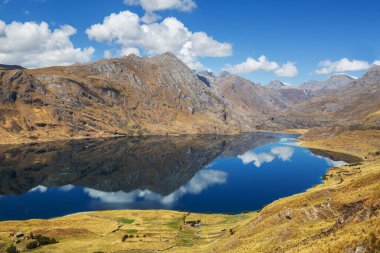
(301,33)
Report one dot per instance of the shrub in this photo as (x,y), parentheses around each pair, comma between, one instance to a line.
(32,245)
(125,237)
(12,249)
(44,240)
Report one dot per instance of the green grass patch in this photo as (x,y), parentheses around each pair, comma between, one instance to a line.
(186,238)
(236,217)
(175,223)
(131,231)
(125,220)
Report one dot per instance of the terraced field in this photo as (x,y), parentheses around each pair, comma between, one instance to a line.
(126,231)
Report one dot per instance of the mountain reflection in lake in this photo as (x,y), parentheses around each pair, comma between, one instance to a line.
(205,173)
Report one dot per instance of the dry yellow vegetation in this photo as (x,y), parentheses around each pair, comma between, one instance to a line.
(340,215)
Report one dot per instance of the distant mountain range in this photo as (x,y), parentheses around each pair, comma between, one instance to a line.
(162,95)
(9,67)
(335,82)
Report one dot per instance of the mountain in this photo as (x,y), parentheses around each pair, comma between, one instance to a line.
(131,95)
(277,84)
(335,82)
(10,67)
(161,95)
(355,104)
(252,102)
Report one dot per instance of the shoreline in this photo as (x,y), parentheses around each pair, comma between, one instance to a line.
(26,141)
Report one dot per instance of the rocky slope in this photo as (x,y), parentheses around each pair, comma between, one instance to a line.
(277,84)
(161,95)
(355,105)
(131,95)
(253,102)
(335,82)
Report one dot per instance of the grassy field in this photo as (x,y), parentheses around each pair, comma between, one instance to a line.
(340,215)
(127,231)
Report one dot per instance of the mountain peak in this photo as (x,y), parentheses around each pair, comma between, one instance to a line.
(374,68)
(342,77)
(276,84)
(372,76)
(10,67)
(169,54)
(225,74)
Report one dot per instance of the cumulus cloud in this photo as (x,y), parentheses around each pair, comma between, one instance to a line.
(341,65)
(127,30)
(288,69)
(151,6)
(328,66)
(130,50)
(33,45)
(251,65)
(200,182)
(107,53)
(281,152)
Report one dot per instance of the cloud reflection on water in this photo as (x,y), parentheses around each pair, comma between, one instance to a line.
(281,152)
(200,182)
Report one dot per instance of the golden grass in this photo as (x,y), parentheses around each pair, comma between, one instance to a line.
(103,231)
(358,143)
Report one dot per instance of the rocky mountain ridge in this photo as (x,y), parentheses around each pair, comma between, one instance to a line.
(161,95)
(335,82)
(357,105)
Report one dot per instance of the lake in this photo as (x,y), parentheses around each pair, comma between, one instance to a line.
(196,173)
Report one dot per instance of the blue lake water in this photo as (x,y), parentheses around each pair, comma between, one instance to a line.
(205,173)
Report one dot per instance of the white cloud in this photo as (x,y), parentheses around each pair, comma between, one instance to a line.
(328,66)
(262,63)
(130,50)
(200,182)
(281,152)
(127,30)
(107,53)
(288,69)
(151,6)
(33,45)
